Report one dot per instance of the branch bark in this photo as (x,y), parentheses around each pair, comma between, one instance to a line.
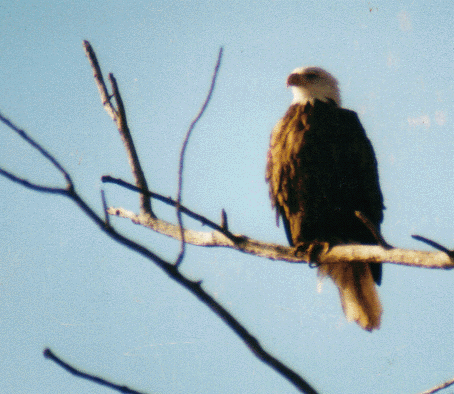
(222,237)
(337,254)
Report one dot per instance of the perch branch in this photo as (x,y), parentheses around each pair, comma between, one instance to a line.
(195,287)
(122,389)
(222,237)
(336,254)
(119,117)
(183,150)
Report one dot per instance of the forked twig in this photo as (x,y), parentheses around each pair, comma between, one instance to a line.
(119,117)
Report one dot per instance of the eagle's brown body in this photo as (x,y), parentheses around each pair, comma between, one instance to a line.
(321,169)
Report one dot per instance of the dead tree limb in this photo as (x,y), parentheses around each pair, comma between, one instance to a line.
(337,254)
(118,115)
(222,237)
(195,287)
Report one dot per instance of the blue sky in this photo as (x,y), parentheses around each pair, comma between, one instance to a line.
(65,285)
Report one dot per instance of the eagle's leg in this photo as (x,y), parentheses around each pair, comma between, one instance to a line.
(311,249)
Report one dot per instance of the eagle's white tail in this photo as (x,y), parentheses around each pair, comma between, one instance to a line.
(357,292)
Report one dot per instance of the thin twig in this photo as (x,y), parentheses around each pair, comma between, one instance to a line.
(97,74)
(439,387)
(183,149)
(224,220)
(104,207)
(119,117)
(434,244)
(195,287)
(373,230)
(38,147)
(122,389)
(30,185)
(133,158)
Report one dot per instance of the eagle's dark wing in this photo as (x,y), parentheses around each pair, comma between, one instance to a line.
(321,169)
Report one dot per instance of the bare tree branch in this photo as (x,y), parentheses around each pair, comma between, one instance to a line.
(39,148)
(337,254)
(439,387)
(222,237)
(223,229)
(183,150)
(122,389)
(195,287)
(119,117)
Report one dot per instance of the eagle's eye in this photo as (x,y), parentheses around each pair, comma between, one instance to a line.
(311,77)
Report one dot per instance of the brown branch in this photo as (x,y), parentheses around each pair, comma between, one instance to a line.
(119,117)
(183,150)
(122,389)
(439,387)
(195,287)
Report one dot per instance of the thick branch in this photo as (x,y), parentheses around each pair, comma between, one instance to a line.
(337,254)
(119,117)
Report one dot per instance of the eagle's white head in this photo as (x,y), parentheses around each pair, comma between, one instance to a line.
(311,83)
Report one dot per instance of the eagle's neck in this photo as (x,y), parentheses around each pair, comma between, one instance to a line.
(303,96)
(312,103)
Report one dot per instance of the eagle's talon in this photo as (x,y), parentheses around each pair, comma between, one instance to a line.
(313,265)
(312,250)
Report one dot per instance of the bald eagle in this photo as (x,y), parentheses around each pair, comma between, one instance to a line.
(321,168)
